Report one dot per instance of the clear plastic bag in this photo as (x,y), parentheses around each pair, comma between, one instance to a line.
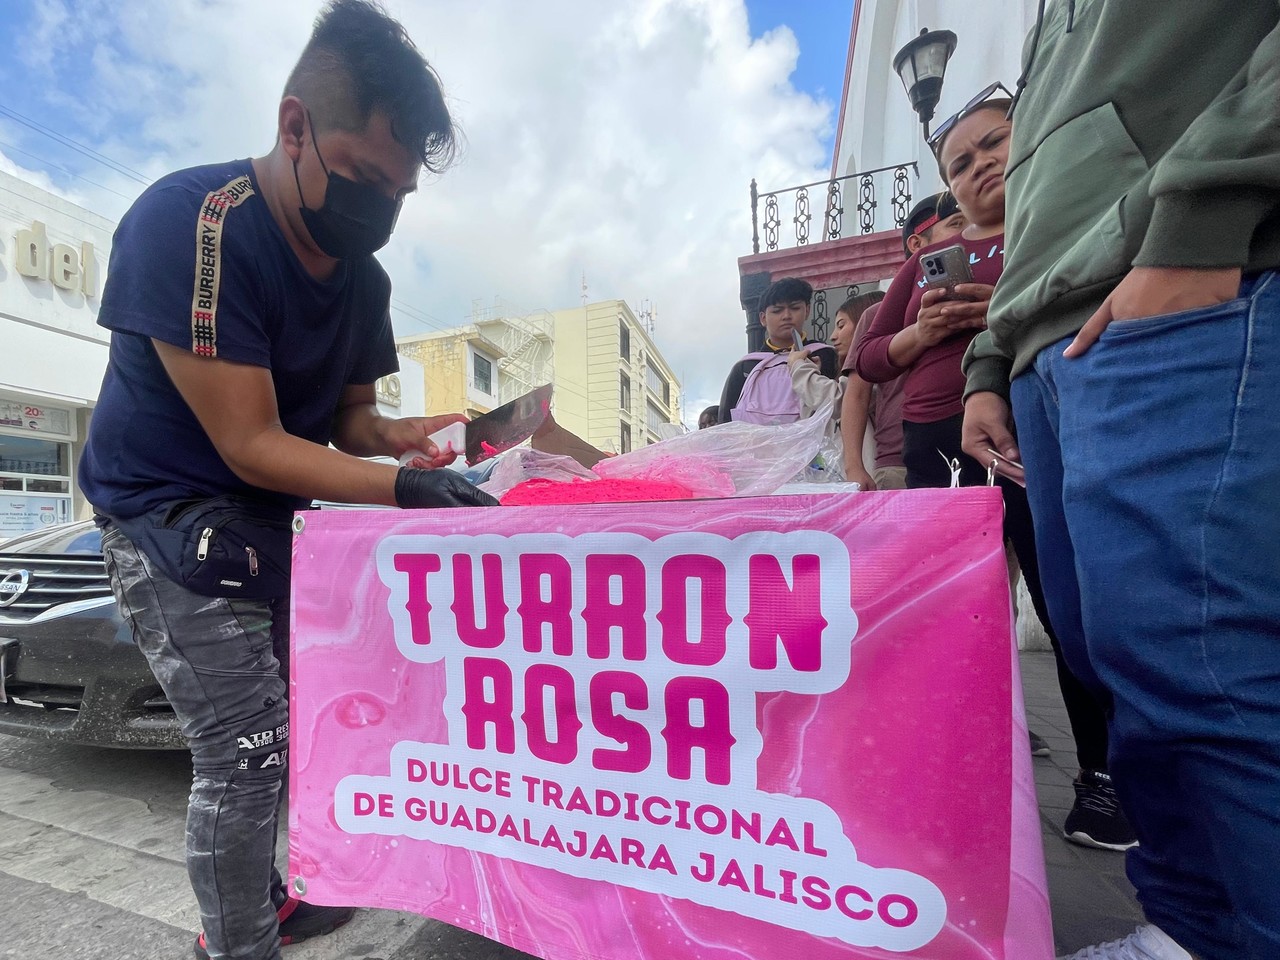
(827,465)
(521,464)
(728,460)
(731,459)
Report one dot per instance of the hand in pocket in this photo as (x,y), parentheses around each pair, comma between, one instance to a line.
(1153,292)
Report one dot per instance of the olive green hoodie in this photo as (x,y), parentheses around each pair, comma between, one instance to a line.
(1148,135)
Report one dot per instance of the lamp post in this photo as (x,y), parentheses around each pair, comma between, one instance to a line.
(921,65)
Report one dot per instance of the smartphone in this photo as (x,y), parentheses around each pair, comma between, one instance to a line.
(797,339)
(944,268)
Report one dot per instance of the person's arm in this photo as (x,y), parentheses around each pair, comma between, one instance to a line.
(910,343)
(988,417)
(986,369)
(871,352)
(939,319)
(854,413)
(360,430)
(809,383)
(235,404)
(1221,178)
(988,426)
(1211,189)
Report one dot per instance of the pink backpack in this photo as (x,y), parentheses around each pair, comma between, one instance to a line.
(767,395)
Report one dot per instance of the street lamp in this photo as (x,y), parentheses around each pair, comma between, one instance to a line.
(921,65)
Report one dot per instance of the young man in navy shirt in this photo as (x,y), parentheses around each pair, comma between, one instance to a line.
(249,324)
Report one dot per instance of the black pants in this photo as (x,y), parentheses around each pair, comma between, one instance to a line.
(927,449)
(223,665)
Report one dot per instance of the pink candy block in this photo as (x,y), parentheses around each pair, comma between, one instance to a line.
(771,728)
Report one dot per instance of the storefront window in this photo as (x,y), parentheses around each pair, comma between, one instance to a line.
(29,455)
(49,486)
(35,483)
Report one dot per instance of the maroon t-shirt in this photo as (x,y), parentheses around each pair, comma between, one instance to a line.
(885,414)
(933,386)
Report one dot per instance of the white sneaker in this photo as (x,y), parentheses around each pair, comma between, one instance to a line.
(1145,943)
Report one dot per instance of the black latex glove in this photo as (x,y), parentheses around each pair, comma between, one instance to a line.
(438,488)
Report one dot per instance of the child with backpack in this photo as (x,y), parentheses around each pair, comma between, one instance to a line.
(759,387)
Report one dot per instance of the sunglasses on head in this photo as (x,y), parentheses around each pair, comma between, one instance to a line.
(982,97)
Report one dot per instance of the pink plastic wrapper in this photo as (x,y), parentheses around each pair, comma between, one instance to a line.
(538,493)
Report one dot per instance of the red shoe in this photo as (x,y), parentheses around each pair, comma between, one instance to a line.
(298,921)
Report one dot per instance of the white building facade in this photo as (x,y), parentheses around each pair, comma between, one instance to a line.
(877,127)
(53,258)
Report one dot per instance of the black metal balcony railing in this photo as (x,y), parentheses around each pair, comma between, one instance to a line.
(821,312)
(896,180)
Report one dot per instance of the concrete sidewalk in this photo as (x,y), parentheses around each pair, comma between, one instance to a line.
(1091,899)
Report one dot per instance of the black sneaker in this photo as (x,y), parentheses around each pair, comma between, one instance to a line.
(1039,745)
(298,921)
(1096,819)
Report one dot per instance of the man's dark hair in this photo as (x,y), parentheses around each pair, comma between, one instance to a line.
(786,290)
(854,307)
(710,415)
(359,61)
(938,207)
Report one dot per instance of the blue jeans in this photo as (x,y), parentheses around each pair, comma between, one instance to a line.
(222,664)
(1153,469)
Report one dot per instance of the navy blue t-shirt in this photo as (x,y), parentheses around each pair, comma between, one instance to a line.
(199,262)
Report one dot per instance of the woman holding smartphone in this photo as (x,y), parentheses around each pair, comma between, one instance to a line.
(922,332)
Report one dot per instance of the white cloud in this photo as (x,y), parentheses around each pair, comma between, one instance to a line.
(615,139)
(37,177)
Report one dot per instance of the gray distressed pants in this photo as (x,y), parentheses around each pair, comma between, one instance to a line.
(223,664)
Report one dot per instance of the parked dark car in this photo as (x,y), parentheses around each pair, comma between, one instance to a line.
(71,671)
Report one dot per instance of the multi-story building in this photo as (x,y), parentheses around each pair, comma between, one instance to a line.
(495,358)
(613,387)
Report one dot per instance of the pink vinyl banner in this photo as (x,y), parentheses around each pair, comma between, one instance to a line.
(767,728)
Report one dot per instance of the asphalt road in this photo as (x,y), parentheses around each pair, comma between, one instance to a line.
(91,867)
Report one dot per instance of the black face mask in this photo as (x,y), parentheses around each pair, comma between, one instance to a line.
(354,220)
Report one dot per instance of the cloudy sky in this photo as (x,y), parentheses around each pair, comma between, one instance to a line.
(611,138)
